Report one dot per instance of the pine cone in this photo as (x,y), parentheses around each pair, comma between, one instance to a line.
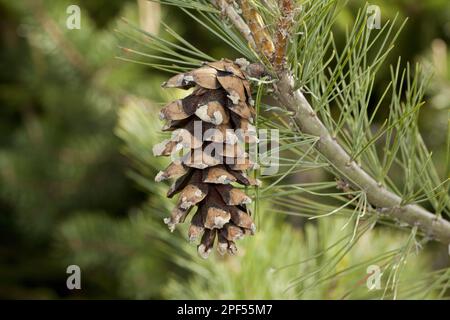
(211,125)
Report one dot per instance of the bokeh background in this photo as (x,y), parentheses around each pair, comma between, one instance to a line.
(76,187)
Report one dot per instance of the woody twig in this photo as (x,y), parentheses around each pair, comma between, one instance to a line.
(282,32)
(264,43)
(230,12)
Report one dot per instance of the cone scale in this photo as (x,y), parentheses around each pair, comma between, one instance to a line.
(210,128)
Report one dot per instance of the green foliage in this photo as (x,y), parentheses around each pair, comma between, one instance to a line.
(59,91)
(128,254)
(267,267)
(339,83)
(67,199)
(271,262)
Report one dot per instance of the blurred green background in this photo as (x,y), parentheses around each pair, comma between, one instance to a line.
(76,186)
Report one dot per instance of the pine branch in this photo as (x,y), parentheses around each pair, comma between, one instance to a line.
(283,31)
(228,10)
(386,202)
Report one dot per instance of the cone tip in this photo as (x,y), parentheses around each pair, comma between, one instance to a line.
(222,248)
(159,148)
(160,176)
(203,252)
(247,200)
(170,224)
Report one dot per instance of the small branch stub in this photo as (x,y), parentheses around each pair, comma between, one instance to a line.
(229,11)
(264,43)
(282,33)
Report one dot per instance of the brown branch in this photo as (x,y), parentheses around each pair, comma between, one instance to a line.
(264,43)
(282,33)
(378,196)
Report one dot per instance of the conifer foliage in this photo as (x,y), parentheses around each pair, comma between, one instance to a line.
(209,130)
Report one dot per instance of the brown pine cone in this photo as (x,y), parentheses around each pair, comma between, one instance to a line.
(209,130)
